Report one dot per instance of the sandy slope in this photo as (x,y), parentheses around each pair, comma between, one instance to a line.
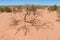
(51,32)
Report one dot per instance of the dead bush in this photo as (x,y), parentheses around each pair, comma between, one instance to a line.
(24,28)
(14,22)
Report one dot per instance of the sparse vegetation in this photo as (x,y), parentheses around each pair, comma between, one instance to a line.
(1,9)
(7,9)
(33,21)
(29,8)
(53,8)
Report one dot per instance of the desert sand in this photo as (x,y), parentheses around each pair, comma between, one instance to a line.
(46,26)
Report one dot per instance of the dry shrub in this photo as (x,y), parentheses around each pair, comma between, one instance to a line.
(14,22)
(24,28)
(29,9)
(38,24)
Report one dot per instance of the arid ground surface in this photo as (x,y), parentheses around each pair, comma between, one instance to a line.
(42,26)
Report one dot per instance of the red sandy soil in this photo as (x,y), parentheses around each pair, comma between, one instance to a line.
(52,32)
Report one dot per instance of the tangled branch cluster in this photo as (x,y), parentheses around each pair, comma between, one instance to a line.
(14,22)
